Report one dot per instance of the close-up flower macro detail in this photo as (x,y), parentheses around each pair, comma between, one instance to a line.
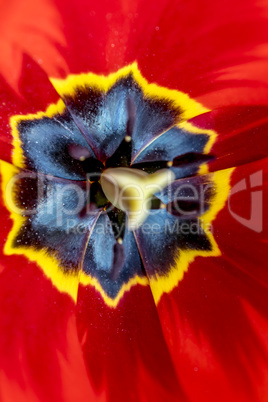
(133,185)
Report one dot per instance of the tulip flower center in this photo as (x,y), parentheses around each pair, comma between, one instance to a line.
(131,190)
(122,194)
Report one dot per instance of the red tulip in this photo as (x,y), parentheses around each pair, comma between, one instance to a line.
(118,316)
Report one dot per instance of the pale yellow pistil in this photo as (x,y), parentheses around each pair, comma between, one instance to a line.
(131,190)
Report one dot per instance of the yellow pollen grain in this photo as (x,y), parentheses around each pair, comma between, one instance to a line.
(127,138)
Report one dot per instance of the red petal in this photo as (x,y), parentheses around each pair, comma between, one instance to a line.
(34,95)
(124,347)
(215,52)
(212,51)
(213,323)
(242,134)
(214,320)
(41,357)
(33,28)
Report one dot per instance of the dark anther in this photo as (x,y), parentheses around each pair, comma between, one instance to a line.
(184,209)
(192,158)
(78,152)
(185,160)
(91,166)
(118,259)
(150,167)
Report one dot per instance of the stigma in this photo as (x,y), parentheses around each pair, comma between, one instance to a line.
(131,190)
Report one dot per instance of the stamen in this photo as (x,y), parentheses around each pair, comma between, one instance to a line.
(118,259)
(192,158)
(78,152)
(189,159)
(184,209)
